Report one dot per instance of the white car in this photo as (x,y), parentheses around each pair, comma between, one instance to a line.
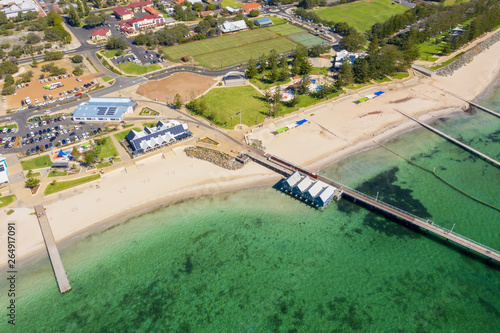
(36,101)
(44,123)
(36,124)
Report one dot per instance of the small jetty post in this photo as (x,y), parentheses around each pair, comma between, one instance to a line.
(53,252)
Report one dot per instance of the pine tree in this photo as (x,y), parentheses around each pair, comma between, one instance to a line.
(361,70)
(273,76)
(373,48)
(80,8)
(304,85)
(178,101)
(296,66)
(346,75)
(74,20)
(86,8)
(251,68)
(305,66)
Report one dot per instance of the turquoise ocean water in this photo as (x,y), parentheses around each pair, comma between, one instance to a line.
(260,261)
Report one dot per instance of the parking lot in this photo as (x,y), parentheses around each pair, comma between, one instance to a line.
(52,133)
(49,91)
(139,56)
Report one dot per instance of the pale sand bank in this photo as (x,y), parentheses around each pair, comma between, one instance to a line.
(335,130)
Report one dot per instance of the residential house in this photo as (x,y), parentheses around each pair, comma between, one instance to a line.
(246,8)
(100,34)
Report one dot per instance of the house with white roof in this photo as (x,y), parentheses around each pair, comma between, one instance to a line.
(314,190)
(12,8)
(110,109)
(342,55)
(227,26)
(291,181)
(325,196)
(302,186)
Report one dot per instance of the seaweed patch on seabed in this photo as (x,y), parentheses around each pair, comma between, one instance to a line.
(389,192)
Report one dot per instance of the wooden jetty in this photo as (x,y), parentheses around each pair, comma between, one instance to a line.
(373,203)
(474,104)
(54,257)
(449,138)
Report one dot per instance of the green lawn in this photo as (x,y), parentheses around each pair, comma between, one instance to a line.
(447,62)
(305,101)
(149,124)
(132,68)
(400,75)
(7,200)
(319,70)
(231,3)
(103,165)
(263,84)
(55,173)
(234,49)
(64,185)
(382,79)
(284,29)
(361,14)
(107,78)
(106,150)
(37,163)
(121,135)
(226,102)
(429,50)
(110,53)
(11,126)
(35,174)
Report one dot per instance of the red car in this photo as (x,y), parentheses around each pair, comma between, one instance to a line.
(79,94)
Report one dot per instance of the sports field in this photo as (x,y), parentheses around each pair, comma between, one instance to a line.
(237,48)
(362,14)
(226,102)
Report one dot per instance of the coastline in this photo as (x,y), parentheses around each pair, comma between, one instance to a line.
(110,205)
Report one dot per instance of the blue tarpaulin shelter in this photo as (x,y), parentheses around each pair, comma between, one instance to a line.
(378,93)
(61,153)
(300,122)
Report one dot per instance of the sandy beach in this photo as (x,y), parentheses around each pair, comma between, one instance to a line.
(335,129)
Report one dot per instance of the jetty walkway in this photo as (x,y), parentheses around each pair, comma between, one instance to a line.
(54,257)
(455,141)
(287,168)
(473,104)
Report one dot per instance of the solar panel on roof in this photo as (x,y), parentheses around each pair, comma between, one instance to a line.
(2,168)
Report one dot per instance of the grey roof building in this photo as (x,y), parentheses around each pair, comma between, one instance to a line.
(111,109)
(158,136)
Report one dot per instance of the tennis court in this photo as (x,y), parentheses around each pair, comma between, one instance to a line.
(308,39)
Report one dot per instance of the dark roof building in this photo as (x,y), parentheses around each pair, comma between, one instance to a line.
(162,134)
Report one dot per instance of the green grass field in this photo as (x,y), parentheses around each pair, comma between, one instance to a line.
(54,173)
(429,50)
(7,200)
(106,150)
(231,3)
(107,78)
(110,53)
(11,126)
(226,102)
(103,165)
(237,48)
(400,75)
(121,135)
(263,84)
(132,68)
(361,14)
(37,163)
(34,174)
(64,185)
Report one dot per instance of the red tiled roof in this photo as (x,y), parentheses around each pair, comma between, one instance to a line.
(122,11)
(100,32)
(140,4)
(153,11)
(250,5)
